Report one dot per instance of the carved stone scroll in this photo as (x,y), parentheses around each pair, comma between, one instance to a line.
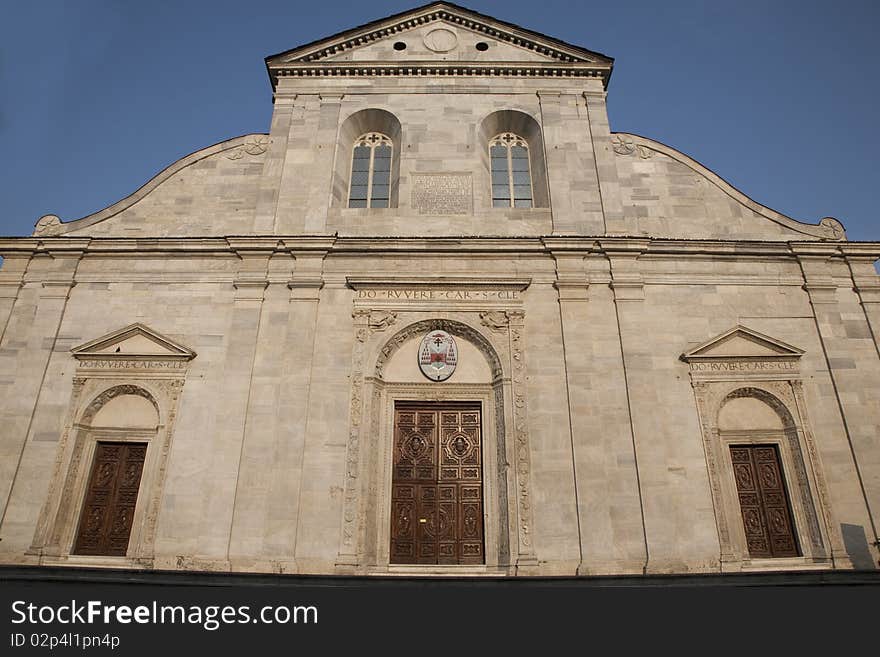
(348,553)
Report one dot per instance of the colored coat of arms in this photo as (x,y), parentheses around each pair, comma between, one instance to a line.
(438,355)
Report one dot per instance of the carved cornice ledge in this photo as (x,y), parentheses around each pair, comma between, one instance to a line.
(626,278)
(56,289)
(571,289)
(775,358)
(305,288)
(868,292)
(295,282)
(9,289)
(372,282)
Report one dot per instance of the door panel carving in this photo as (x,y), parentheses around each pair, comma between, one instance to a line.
(105,522)
(763,501)
(437,488)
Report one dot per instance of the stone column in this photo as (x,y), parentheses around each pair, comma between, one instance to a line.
(608,505)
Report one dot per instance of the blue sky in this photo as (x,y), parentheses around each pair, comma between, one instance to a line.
(780,98)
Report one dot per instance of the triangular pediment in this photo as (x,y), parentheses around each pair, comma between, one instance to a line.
(435,33)
(742,342)
(133,341)
(440,41)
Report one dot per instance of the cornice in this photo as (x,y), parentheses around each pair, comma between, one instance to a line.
(230,245)
(440,69)
(491,27)
(439,11)
(779,350)
(383,281)
(860,250)
(95,350)
(311,59)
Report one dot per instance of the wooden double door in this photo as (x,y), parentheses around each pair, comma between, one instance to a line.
(763,501)
(108,510)
(437,485)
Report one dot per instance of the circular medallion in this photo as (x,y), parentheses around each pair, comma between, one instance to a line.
(438,355)
(440,40)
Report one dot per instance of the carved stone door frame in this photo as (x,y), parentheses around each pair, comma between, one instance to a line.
(365,544)
(773,378)
(102,374)
(57,525)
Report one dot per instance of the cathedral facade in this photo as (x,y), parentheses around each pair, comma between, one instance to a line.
(440,320)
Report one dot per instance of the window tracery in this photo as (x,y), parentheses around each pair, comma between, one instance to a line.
(511,174)
(370,185)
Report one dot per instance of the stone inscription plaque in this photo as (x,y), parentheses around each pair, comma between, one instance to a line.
(442,193)
(437,295)
(743,366)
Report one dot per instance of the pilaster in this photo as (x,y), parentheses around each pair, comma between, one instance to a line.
(866,284)
(844,322)
(575,200)
(11,281)
(307,176)
(270,182)
(609,184)
(299,161)
(25,350)
(233,394)
(611,533)
(257,520)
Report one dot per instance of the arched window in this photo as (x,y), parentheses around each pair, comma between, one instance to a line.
(370,172)
(511,176)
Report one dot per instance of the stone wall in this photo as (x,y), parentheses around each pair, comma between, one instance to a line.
(256,474)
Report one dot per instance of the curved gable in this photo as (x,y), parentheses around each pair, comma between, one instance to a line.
(665,193)
(210,192)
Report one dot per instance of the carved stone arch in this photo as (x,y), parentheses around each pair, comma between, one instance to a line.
(769,398)
(455,328)
(739,364)
(368,479)
(101,399)
(97,383)
(813,519)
